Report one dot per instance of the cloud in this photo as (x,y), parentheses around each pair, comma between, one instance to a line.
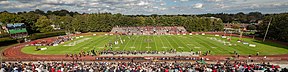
(198,5)
(62,1)
(214,0)
(142,3)
(4,2)
(221,6)
(184,0)
(148,6)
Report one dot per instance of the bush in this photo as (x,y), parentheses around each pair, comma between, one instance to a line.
(248,33)
(4,35)
(7,41)
(45,35)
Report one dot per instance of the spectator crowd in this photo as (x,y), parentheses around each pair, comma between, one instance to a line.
(227,66)
(149,30)
(51,41)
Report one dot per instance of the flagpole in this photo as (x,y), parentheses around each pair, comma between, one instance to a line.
(267,29)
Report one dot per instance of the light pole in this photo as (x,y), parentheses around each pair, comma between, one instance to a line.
(241,33)
(267,29)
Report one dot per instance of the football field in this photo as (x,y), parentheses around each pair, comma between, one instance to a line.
(182,43)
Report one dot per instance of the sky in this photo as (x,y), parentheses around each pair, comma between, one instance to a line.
(146,7)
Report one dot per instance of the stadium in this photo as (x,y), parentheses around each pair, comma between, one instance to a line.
(132,41)
(144,43)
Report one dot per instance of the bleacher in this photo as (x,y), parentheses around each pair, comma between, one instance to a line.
(149,30)
(17,30)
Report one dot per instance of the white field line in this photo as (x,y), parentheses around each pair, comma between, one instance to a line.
(162,44)
(127,44)
(197,43)
(141,41)
(169,42)
(210,45)
(135,42)
(148,41)
(190,43)
(155,42)
(183,43)
(88,42)
(177,44)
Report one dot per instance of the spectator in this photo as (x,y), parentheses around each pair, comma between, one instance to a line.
(227,66)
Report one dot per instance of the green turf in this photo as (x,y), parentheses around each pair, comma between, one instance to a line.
(184,43)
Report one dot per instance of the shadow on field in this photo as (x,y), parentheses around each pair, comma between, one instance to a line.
(271,44)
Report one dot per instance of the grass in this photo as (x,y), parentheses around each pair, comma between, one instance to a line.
(184,43)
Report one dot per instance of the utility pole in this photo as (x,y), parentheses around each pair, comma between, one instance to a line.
(241,33)
(267,29)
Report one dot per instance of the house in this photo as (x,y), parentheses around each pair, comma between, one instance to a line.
(232,26)
(2,28)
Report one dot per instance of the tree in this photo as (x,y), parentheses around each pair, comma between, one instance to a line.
(49,12)
(80,24)
(251,27)
(278,29)
(64,22)
(61,12)
(39,21)
(8,17)
(43,24)
(235,26)
(38,11)
(29,19)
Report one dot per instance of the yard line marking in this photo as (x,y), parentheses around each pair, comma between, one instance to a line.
(117,47)
(197,47)
(89,41)
(135,41)
(239,49)
(85,47)
(190,43)
(155,42)
(100,43)
(176,43)
(75,42)
(163,44)
(164,47)
(208,43)
(148,41)
(141,43)
(126,44)
(148,47)
(180,47)
(213,47)
(168,42)
(183,44)
(132,47)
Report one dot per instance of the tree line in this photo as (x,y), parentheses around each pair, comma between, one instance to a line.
(251,17)
(278,29)
(40,21)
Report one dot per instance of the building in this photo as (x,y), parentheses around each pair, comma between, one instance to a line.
(2,28)
(232,26)
(17,30)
